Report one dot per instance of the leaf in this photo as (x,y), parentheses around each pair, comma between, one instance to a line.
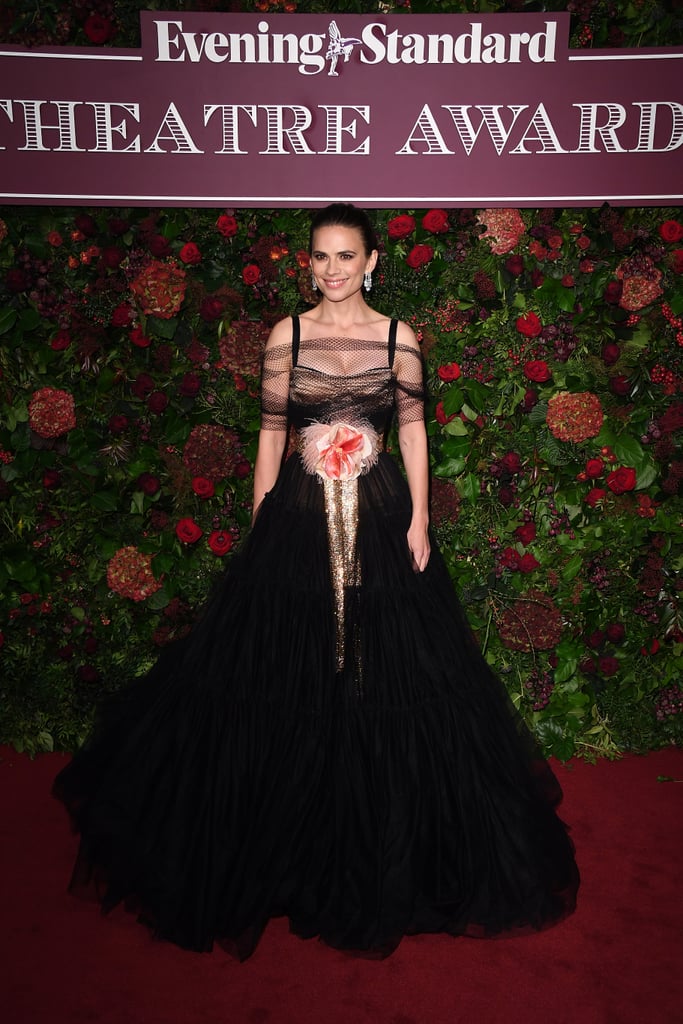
(572,568)
(8,318)
(104,501)
(449,467)
(453,400)
(628,450)
(469,488)
(456,428)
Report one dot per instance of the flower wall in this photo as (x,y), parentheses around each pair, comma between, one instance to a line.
(130,347)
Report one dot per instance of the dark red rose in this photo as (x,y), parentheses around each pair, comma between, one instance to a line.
(86,224)
(615,632)
(610,353)
(529,324)
(251,273)
(514,265)
(211,309)
(537,370)
(227,225)
(190,385)
(621,480)
(117,226)
(506,496)
(157,402)
(138,338)
(190,254)
(530,400)
(528,563)
(142,386)
(436,222)
(594,496)
(583,242)
(608,665)
(619,385)
(449,371)
(511,462)
(419,256)
(677,261)
(537,277)
(242,468)
(158,519)
(671,231)
(66,652)
(441,416)
(16,280)
(90,645)
(51,479)
(587,666)
(526,533)
(88,674)
(112,256)
(596,639)
(203,487)
(612,292)
(158,246)
(61,340)
(148,484)
(568,280)
(188,531)
(594,468)
(98,29)
(117,424)
(220,541)
(122,315)
(400,227)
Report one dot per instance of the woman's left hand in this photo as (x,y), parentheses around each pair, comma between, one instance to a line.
(418,544)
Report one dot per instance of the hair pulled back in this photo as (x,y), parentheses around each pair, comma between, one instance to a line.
(344,215)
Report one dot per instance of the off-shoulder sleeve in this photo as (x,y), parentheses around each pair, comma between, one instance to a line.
(410,393)
(277,366)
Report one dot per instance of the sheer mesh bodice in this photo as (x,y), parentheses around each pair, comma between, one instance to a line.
(335,376)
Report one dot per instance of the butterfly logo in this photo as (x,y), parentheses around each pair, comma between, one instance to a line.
(338,47)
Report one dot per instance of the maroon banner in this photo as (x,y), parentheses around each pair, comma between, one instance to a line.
(221,109)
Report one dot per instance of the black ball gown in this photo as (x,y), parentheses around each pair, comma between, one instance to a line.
(328,743)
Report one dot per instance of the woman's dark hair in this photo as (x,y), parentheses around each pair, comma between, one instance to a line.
(344,215)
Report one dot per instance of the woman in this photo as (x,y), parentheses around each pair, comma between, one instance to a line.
(328,743)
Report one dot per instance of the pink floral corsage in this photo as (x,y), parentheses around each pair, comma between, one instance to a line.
(339,451)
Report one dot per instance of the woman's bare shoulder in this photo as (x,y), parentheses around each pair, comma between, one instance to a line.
(281,333)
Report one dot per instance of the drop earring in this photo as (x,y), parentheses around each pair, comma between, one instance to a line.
(367,280)
(314,283)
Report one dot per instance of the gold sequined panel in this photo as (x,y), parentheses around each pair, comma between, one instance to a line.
(341,509)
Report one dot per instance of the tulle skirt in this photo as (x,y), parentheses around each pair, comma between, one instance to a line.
(248,776)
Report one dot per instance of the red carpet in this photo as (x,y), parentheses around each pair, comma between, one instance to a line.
(616,961)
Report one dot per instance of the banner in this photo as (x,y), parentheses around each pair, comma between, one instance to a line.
(220,109)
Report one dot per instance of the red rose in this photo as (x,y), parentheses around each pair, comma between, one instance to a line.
(220,542)
(594,468)
(610,353)
(449,371)
(400,227)
(117,424)
(678,261)
(511,462)
(529,324)
(615,632)
(203,487)
(227,225)
(242,468)
(251,273)
(158,246)
(187,530)
(583,242)
(122,315)
(211,308)
(436,222)
(608,665)
(596,638)
(514,265)
(537,370)
(54,239)
(586,266)
(621,480)
(157,402)
(595,495)
(190,385)
(61,340)
(537,278)
(98,29)
(530,400)
(190,254)
(510,558)
(51,479)
(419,256)
(148,484)
(619,385)
(568,281)
(112,256)
(671,231)
(138,338)
(526,533)
(441,416)
(142,386)
(612,292)
(528,563)
(86,224)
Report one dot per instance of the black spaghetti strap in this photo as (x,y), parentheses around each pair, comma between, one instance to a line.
(296,338)
(393,327)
